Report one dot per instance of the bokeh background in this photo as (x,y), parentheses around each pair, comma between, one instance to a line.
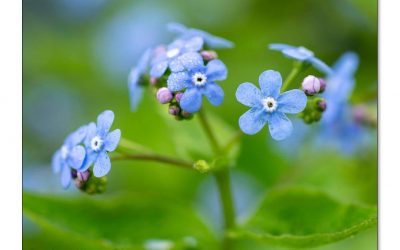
(77,56)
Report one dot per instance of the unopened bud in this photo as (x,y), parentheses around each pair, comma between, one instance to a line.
(164,95)
(178,96)
(311,85)
(73,173)
(83,176)
(153,81)
(322,85)
(202,166)
(321,105)
(174,110)
(209,55)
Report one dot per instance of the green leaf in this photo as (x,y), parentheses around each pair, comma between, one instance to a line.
(295,217)
(115,222)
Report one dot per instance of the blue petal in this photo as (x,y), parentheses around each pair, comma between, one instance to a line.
(188,61)
(90,158)
(248,94)
(280,46)
(159,69)
(112,140)
(214,93)
(104,122)
(300,53)
(216,42)
(66,177)
(144,61)
(76,137)
(56,162)
(178,81)
(176,28)
(270,83)
(280,127)
(102,165)
(91,132)
(191,100)
(194,44)
(253,121)
(216,70)
(76,157)
(292,101)
(320,65)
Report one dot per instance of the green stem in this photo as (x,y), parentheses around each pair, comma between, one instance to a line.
(155,158)
(223,182)
(298,67)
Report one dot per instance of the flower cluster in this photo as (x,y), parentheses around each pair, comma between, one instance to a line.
(182,72)
(88,145)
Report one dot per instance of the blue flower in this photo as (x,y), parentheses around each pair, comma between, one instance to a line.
(134,84)
(301,54)
(179,47)
(71,154)
(268,105)
(211,41)
(99,141)
(189,72)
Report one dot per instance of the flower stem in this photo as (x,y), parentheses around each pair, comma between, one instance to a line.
(296,70)
(155,158)
(222,178)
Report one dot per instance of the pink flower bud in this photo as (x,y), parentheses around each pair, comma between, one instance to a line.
(164,95)
(311,85)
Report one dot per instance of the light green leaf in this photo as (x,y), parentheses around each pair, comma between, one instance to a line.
(116,223)
(295,217)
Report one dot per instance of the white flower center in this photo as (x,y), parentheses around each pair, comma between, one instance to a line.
(199,79)
(173,52)
(306,51)
(269,104)
(96,143)
(64,152)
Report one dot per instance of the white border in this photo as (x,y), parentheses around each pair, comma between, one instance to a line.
(389,124)
(11,124)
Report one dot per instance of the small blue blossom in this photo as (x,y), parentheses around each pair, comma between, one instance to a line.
(179,47)
(301,54)
(269,106)
(70,155)
(211,41)
(135,88)
(189,72)
(99,141)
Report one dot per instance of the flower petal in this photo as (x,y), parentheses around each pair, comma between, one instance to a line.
(176,27)
(76,137)
(280,127)
(280,46)
(178,81)
(102,165)
(270,83)
(190,61)
(112,140)
(66,177)
(159,68)
(298,54)
(252,121)
(91,132)
(194,44)
(216,70)
(56,162)
(216,42)
(191,100)
(320,65)
(248,94)
(214,93)
(104,122)
(90,158)
(76,157)
(292,101)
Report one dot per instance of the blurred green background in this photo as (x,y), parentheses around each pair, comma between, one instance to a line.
(77,56)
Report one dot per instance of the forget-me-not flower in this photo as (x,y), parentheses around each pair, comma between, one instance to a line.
(213,42)
(301,54)
(177,48)
(269,106)
(134,85)
(71,154)
(189,72)
(99,141)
